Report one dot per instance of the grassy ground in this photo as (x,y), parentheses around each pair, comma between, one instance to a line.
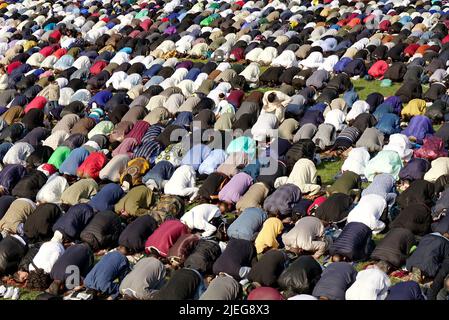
(328,170)
(364,88)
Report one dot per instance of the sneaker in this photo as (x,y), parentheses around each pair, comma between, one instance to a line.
(2,290)
(16,294)
(9,293)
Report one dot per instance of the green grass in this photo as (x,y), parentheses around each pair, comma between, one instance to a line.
(364,88)
(328,170)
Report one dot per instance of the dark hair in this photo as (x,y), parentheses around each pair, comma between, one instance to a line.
(271,97)
(38,280)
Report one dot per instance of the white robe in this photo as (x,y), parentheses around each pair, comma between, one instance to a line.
(18,153)
(52,190)
(401,144)
(182,182)
(336,118)
(251,72)
(357,108)
(200,216)
(48,254)
(356,161)
(303,175)
(368,211)
(438,168)
(370,284)
(265,126)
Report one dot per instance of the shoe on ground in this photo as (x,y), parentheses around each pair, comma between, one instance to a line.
(9,292)
(2,290)
(15,294)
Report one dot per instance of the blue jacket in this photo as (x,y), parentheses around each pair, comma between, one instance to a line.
(353,242)
(283,199)
(212,161)
(414,169)
(101,98)
(335,280)
(163,170)
(389,124)
(79,255)
(107,197)
(74,220)
(112,266)
(429,254)
(408,290)
(193,74)
(73,161)
(247,224)
(383,109)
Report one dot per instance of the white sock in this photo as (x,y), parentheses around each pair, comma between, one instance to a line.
(16,294)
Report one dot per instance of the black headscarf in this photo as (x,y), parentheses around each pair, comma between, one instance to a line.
(268,269)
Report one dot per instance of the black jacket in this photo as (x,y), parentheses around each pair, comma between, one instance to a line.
(103,231)
(38,226)
(395,247)
(137,232)
(12,250)
(268,269)
(301,276)
(204,255)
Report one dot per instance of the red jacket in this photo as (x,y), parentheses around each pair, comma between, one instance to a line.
(97,67)
(315,204)
(378,69)
(238,54)
(384,25)
(165,236)
(138,131)
(235,98)
(411,49)
(46,51)
(146,24)
(13,65)
(91,166)
(60,52)
(38,102)
(55,35)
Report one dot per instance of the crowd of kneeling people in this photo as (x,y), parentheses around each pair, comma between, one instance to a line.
(106,192)
(275,236)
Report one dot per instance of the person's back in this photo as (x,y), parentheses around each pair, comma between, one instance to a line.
(135,234)
(370,284)
(101,278)
(236,259)
(335,280)
(429,254)
(353,243)
(247,224)
(395,247)
(268,268)
(77,255)
(147,275)
(182,285)
(304,234)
